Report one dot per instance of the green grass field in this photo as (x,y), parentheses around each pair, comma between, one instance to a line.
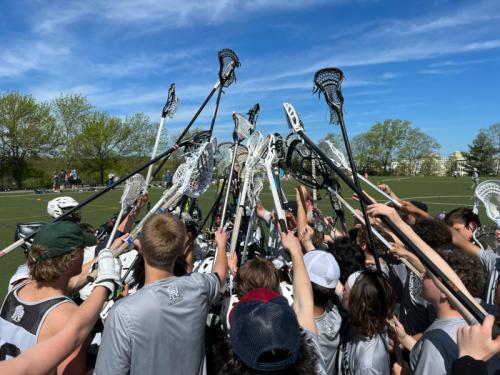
(440,193)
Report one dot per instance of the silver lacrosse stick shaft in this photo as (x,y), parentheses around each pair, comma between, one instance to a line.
(155,149)
(230,181)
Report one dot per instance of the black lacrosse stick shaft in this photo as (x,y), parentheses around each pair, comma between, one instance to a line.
(217,103)
(213,210)
(331,88)
(428,264)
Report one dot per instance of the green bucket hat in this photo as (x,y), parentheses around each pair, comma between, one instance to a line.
(61,237)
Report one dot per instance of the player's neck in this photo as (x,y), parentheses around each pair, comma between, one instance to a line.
(445,311)
(37,291)
(154,274)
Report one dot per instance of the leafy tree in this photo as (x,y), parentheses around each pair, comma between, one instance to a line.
(70,112)
(376,149)
(415,147)
(493,132)
(27,128)
(143,136)
(101,142)
(481,154)
(429,165)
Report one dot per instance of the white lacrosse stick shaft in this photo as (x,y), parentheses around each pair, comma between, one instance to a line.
(155,149)
(341,161)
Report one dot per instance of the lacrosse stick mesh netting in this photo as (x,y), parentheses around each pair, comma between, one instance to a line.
(334,154)
(488,193)
(243,127)
(299,162)
(202,165)
(329,81)
(172,102)
(228,61)
(134,186)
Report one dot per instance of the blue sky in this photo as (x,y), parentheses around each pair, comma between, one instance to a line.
(435,63)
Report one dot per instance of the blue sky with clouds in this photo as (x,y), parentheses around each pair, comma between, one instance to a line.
(433,62)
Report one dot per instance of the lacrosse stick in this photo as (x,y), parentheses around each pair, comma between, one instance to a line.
(134,187)
(375,231)
(270,160)
(256,186)
(168,112)
(340,160)
(253,114)
(488,193)
(255,150)
(191,178)
(228,62)
(242,129)
(329,81)
(430,259)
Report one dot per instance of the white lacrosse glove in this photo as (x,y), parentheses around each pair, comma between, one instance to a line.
(108,271)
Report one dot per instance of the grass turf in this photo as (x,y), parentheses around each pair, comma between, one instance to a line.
(439,193)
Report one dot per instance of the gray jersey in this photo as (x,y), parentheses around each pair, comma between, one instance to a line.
(320,363)
(365,355)
(415,313)
(436,350)
(328,326)
(160,329)
(491,261)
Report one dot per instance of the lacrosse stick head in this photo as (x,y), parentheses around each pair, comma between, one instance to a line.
(134,186)
(171,104)
(228,62)
(253,142)
(271,156)
(488,193)
(202,165)
(256,186)
(222,156)
(242,127)
(193,143)
(305,165)
(253,113)
(241,158)
(328,81)
(293,118)
(334,154)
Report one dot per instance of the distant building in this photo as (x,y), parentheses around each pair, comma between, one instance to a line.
(433,165)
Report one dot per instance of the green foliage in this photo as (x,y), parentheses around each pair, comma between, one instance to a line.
(393,140)
(27,128)
(481,154)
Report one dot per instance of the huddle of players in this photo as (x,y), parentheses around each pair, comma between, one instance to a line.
(345,317)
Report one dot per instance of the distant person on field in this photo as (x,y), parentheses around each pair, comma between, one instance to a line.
(475,178)
(55,181)
(168,179)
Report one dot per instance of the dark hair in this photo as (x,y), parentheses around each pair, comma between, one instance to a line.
(305,364)
(322,296)
(256,273)
(435,233)
(379,246)
(349,256)
(462,215)
(468,268)
(371,302)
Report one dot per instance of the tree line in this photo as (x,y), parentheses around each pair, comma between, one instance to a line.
(38,138)
(395,147)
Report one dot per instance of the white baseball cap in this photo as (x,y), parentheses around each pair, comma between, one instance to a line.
(322,267)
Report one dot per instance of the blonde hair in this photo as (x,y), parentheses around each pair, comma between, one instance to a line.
(162,240)
(49,269)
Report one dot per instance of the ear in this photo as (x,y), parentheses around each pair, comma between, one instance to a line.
(473,226)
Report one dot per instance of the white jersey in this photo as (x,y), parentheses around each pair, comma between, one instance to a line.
(20,322)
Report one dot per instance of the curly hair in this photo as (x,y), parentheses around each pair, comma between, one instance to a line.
(349,256)
(305,364)
(435,233)
(379,246)
(371,302)
(468,268)
(256,273)
(52,268)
